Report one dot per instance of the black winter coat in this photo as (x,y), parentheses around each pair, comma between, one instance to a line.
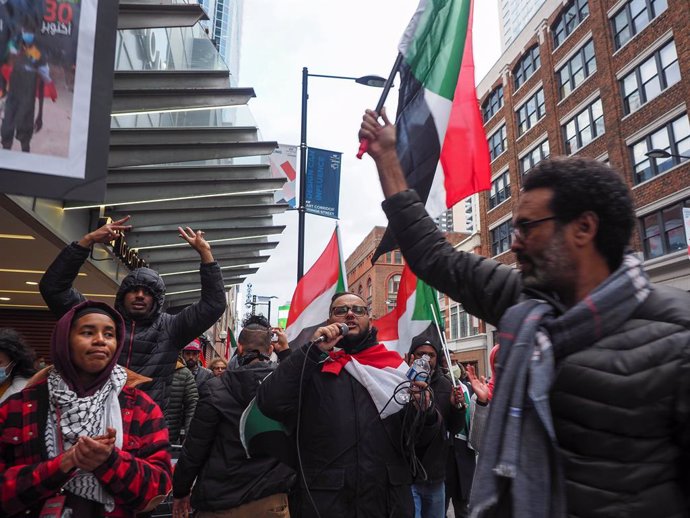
(153,344)
(352,459)
(621,407)
(213,453)
(182,403)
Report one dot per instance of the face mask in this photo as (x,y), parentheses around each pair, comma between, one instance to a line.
(28,37)
(5,372)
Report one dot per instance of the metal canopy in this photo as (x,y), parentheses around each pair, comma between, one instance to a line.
(158,14)
(158,174)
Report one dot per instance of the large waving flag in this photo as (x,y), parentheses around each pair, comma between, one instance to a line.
(312,298)
(412,316)
(441,142)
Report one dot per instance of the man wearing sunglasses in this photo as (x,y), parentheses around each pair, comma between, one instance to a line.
(581,423)
(338,393)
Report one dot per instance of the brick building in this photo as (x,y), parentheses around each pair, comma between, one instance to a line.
(607,79)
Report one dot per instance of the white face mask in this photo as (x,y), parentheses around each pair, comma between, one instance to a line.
(5,372)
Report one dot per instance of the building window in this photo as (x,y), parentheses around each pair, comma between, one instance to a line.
(462,324)
(370,292)
(493,103)
(652,77)
(577,69)
(530,112)
(569,20)
(397,257)
(674,137)
(393,287)
(498,142)
(501,237)
(500,190)
(634,16)
(663,231)
(527,66)
(534,156)
(389,257)
(584,127)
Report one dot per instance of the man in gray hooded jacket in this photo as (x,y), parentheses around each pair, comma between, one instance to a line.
(153,338)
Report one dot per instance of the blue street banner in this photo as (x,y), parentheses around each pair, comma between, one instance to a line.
(322,182)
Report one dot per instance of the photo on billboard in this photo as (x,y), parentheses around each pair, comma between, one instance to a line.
(56,73)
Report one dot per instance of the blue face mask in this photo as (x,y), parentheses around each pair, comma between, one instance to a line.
(28,37)
(5,373)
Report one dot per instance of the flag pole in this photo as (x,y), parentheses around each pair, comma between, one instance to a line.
(444,346)
(364,143)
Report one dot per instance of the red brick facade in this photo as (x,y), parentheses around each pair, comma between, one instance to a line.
(621,129)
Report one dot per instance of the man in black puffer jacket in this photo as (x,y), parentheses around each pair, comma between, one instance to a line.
(428,489)
(224,478)
(590,415)
(154,338)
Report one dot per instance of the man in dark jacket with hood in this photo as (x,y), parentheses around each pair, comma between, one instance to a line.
(353,435)
(154,338)
(590,416)
(227,479)
(428,489)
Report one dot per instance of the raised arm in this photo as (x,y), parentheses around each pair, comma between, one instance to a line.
(198,317)
(486,288)
(56,283)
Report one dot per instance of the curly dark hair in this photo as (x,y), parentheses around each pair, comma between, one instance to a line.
(256,333)
(582,184)
(14,346)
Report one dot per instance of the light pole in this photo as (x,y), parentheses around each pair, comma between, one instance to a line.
(370,80)
(660,153)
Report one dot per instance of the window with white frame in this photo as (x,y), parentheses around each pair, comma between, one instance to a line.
(584,127)
(493,103)
(393,287)
(500,190)
(569,19)
(649,79)
(634,16)
(576,69)
(534,156)
(663,231)
(462,324)
(673,137)
(501,237)
(531,111)
(498,142)
(527,66)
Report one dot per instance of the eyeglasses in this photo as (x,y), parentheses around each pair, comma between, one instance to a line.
(521,229)
(341,311)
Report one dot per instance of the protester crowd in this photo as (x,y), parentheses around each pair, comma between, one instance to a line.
(586,414)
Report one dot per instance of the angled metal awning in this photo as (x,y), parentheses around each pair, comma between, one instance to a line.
(172,159)
(152,14)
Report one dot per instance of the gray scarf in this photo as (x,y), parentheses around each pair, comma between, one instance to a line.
(519,473)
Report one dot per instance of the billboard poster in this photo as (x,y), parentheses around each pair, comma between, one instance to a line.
(55,96)
(322,182)
(284,165)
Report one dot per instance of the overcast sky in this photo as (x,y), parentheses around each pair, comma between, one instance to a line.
(352,38)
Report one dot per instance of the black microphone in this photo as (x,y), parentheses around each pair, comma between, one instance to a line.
(343,331)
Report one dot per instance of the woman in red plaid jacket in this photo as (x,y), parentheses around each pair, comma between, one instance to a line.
(80,440)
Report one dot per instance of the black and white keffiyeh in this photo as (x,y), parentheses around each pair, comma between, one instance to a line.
(86,416)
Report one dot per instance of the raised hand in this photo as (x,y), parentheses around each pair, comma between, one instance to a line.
(107,233)
(197,242)
(282,343)
(381,137)
(479,384)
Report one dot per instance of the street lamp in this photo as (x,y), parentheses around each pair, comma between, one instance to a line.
(660,153)
(370,80)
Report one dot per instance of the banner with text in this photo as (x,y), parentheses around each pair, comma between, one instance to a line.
(323,182)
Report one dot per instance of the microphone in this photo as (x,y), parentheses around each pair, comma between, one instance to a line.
(343,331)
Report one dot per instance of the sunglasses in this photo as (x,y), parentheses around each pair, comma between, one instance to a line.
(341,311)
